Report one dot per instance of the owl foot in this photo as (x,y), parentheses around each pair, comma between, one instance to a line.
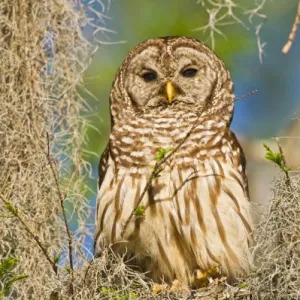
(204,278)
(159,288)
(177,287)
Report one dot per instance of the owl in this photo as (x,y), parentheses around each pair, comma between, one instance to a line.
(196,212)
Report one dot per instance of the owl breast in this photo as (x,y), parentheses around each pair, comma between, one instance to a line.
(196,212)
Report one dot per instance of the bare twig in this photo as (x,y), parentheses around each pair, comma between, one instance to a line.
(286,48)
(285,167)
(256,13)
(158,165)
(27,228)
(245,95)
(62,199)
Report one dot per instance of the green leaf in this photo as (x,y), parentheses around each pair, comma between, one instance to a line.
(140,211)
(57,258)
(160,154)
(117,295)
(108,291)
(8,285)
(7,265)
(244,285)
(11,208)
(286,169)
(276,157)
(67,268)
(7,277)
(132,295)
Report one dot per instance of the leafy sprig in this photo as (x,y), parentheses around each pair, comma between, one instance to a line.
(140,211)
(8,275)
(161,153)
(276,157)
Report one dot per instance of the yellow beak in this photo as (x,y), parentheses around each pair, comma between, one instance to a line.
(170,91)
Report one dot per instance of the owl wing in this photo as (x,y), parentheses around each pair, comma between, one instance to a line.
(103,164)
(239,161)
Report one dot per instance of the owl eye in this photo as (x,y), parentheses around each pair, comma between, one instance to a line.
(191,72)
(149,76)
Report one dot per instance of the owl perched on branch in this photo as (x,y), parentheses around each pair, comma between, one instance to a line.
(194,214)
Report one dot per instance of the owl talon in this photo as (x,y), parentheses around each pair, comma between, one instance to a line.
(178,287)
(158,288)
(204,278)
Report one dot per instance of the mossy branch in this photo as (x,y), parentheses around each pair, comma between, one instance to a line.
(15,213)
(61,200)
(7,276)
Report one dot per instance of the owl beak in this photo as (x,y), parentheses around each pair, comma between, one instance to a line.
(170,91)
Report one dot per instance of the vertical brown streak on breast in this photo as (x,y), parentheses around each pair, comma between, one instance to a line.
(180,176)
(223,236)
(221,171)
(113,231)
(217,178)
(138,221)
(177,202)
(179,240)
(197,204)
(118,210)
(186,197)
(237,179)
(214,197)
(134,180)
(163,255)
(101,222)
(115,178)
(137,195)
(118,195)
(193,238)
(96,238)
(152,205)
(238,210)
(137,227)
(210,254)
(97,207)
(212,191)
(103,217)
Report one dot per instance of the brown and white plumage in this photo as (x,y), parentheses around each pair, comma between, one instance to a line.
(197,212)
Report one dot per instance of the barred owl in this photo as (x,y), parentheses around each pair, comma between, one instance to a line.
(197,213)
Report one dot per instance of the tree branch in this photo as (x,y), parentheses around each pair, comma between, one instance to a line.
(61,200)
(285,167)
(286,48)
(13,210)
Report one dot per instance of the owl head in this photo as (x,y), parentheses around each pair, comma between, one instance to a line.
(172,74)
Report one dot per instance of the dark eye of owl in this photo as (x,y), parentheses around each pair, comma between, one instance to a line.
(191,72)
(149,76)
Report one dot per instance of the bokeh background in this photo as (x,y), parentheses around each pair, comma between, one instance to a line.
(271,112)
